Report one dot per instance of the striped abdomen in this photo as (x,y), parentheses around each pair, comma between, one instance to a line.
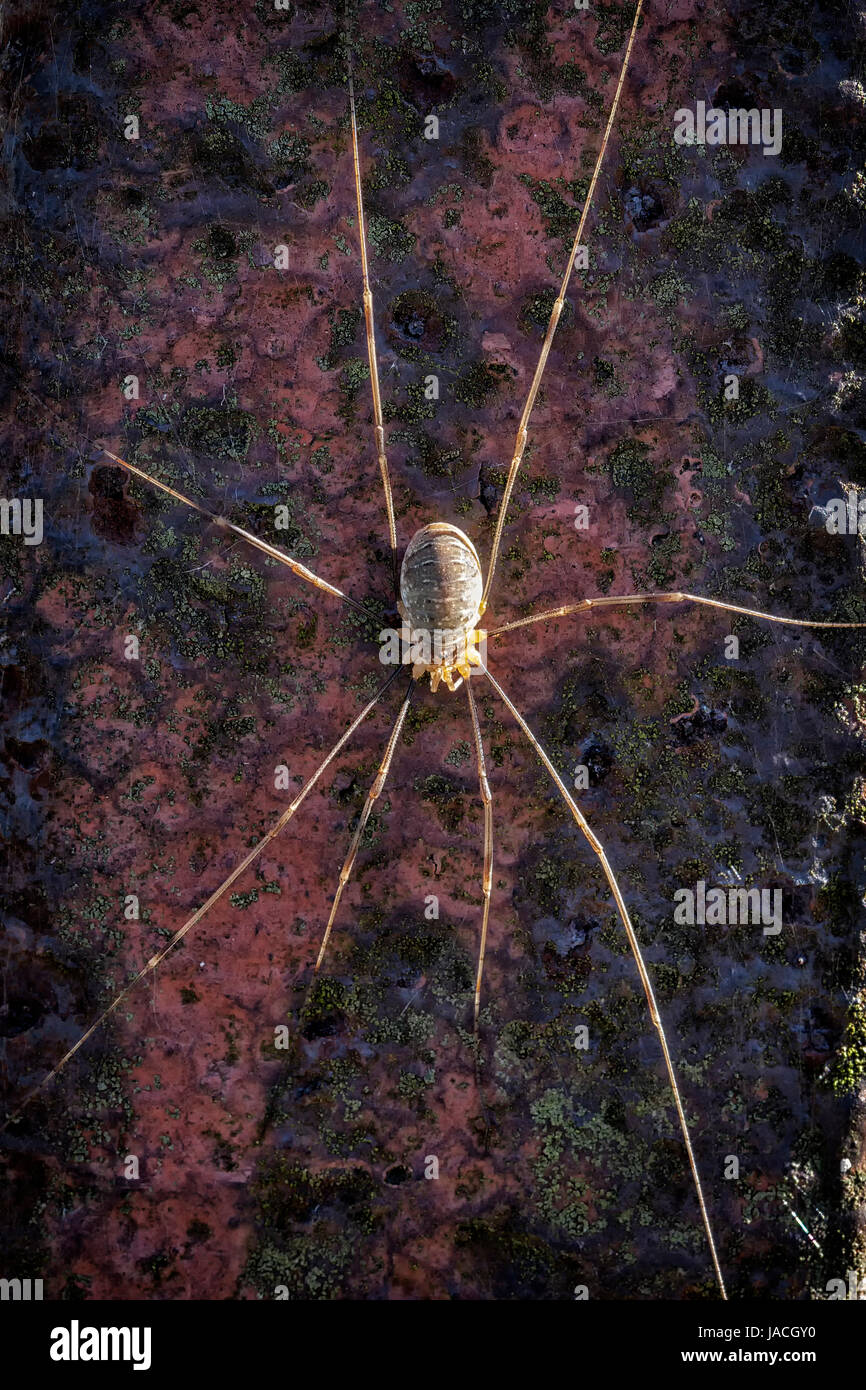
(440,579)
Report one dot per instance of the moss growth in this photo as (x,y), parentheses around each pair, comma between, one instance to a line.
(848,1069)
(290,157)
(414,408)
(447,798)
(560,217)
(352,377)
(668,289)
(630,466)
(514,1262)
(614,24)
(218,253)
(480,382)
(344,328)
(218,431)
(390,170)
(606,378)
(314,1225)
(253,118)
(392,240)
(536,309)
(324,1008)
(633,471)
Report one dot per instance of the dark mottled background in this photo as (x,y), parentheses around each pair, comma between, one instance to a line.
(304,1167)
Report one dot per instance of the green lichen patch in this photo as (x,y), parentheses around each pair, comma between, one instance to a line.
(848,1069)
(513,1262)
(314,1228)
(390,238)
(535,311)
(633,471)
(446,796)
(480,382)
(218,431)
(561,217)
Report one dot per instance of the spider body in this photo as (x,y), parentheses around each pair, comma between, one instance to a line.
(441,586)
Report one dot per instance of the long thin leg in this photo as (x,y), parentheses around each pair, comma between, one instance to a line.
(294,565)
(378,426)
(558,305)
(206,906)
(372,795)
(487,880)
(639,960)
(621,600)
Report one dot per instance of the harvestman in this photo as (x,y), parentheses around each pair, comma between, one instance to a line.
(442,590)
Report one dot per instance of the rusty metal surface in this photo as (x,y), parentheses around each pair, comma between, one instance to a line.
(361,1144)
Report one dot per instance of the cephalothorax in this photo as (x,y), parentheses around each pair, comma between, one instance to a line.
(442,591)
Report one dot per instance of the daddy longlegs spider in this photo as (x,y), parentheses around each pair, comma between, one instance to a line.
(440,588)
